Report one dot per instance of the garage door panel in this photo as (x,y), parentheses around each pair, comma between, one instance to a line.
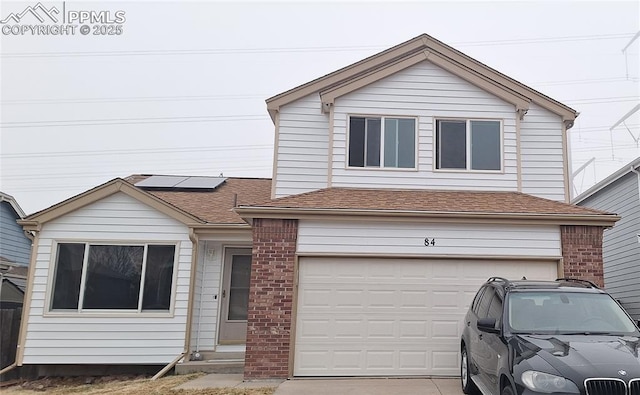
(372,317)
(362,361)
(446,329)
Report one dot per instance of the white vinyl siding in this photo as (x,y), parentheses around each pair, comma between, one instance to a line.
(206,301)
(621,247)
(108,338)
(542,154)
(427,92)
(388,317)
(302,148)
(409,239)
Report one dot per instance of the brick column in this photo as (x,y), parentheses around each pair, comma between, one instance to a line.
(582,252)
(270,298)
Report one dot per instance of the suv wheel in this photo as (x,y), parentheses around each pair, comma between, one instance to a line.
(507,391)
(468,387)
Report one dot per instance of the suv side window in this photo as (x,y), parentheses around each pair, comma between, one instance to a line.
(477,299)
(495,309)
(483,306)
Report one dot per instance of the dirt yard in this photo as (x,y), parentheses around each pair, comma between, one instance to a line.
(130,385)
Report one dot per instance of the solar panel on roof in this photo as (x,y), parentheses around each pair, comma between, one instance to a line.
(180,182)
(201,182)
(161,181)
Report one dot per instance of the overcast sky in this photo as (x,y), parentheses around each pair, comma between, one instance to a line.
(181,90)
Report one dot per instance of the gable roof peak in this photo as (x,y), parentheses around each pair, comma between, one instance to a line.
(420,48)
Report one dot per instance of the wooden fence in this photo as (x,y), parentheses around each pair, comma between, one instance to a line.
(9,329)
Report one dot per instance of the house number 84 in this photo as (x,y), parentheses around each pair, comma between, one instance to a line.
(429,241)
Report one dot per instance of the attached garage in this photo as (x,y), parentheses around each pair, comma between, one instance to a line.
(350,282)
(390,316)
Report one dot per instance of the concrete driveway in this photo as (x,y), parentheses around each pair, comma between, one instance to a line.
(373,386)
(321,386)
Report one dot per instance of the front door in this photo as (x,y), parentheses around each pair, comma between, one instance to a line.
(235,296)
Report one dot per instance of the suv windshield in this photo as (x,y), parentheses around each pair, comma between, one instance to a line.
(553,312)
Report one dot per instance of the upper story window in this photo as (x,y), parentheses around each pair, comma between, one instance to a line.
(113,277)
(382,142)
(468,144)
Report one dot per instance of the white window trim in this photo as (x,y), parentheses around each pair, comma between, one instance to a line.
(381,167)
(468,145)
(48,311)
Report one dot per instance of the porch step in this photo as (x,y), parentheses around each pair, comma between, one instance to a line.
(214,362)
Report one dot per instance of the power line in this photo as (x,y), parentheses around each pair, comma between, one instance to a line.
(131,121)
(178,52)
(228,51)
(135,151)
(132,99)
(219,118)
(585,81)
(545,39)
(174,170)
(602,98)
(89,100)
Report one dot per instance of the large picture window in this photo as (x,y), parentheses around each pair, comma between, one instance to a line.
(113,277)
(468,145)
(382,142)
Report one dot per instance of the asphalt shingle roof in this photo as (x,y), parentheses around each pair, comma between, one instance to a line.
(428,201)
(215,206)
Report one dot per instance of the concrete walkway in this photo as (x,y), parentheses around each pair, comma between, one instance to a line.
(373,386)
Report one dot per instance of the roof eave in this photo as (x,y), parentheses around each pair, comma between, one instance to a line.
(623,171)
(605,220)
(13,203)
(220,226)
(34,221)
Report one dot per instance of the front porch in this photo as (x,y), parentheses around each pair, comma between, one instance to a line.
(225,360)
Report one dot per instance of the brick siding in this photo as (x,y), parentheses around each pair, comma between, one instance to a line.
(270,298)
(582,252)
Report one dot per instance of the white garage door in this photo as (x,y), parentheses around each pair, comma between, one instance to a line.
(387,317)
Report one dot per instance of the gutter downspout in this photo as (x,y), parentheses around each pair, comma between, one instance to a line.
(187,338)
(31,236)
(638,174)
(204,275)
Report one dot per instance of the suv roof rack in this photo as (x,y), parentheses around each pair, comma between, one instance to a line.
(578,280)
(499,279)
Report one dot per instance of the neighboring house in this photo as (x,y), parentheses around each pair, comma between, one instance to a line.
(15,248)
(400,184)
(13,284)
(620,193)
(14,245)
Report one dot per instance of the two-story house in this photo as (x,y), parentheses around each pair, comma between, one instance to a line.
(400,184)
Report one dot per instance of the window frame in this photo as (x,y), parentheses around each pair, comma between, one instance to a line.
(48,309)
(382,123)
(467,121)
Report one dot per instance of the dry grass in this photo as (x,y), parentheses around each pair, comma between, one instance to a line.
(123,385)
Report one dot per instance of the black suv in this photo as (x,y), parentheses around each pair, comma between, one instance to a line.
(548,337)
